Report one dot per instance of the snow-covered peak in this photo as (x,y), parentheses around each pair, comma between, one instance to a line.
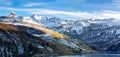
(37,17)
(27,19)
(63,22)
(83,22)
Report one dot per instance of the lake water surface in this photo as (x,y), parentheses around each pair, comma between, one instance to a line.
(94,55)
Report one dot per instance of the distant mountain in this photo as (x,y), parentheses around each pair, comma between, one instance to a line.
(100,34)
(27,36)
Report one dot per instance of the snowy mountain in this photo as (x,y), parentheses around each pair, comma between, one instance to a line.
(101,34)
(25,36)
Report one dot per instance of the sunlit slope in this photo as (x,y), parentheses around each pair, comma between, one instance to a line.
(7,27)
(45,30)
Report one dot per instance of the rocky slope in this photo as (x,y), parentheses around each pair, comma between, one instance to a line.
(25,39)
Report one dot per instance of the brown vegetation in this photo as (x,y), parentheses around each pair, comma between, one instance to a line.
(8,27)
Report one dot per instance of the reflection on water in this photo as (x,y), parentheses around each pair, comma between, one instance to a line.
(94,55)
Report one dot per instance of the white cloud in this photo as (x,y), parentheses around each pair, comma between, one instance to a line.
(98,14)
(34,4)
(70,1)
(111,14)
(116,3)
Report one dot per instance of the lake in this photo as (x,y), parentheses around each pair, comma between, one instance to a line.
(94,55)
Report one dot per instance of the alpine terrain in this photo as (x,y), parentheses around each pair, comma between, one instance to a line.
(33,36)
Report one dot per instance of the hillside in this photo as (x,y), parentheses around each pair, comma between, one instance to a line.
(28,39)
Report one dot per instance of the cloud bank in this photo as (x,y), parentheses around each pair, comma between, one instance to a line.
(96,15)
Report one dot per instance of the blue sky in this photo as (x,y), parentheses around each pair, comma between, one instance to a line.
(63,8)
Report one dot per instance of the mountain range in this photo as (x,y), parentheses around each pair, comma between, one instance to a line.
(24,36)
